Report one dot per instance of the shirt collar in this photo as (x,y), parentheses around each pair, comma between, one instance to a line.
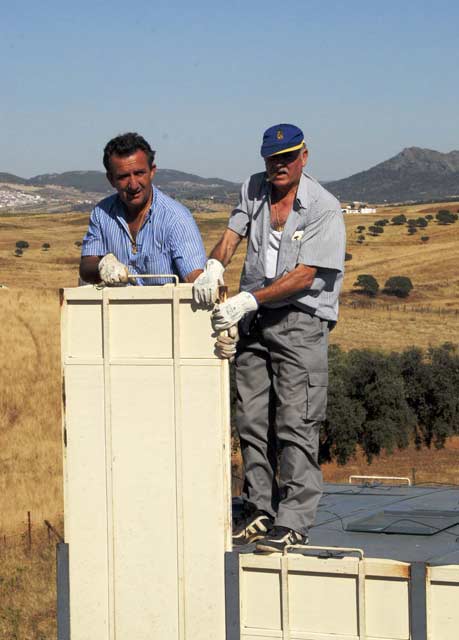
(120,208)
(302,196)
(301,199)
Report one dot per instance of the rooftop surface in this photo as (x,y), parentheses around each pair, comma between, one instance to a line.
(405,523)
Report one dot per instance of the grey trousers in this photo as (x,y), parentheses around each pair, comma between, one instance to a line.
(282,379)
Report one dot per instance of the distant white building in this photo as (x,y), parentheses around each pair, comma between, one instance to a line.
(358,207)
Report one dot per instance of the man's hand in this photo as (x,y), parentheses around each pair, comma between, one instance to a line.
(205,287)
(112,271)
(230,312)
(225,347)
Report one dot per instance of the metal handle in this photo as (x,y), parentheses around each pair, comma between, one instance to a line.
(347,550)
(408,481)
(155,275)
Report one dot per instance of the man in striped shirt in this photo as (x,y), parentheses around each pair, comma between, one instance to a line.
(139,230)
(288,302)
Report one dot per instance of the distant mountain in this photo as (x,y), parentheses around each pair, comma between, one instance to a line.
(176,183)
(414,174)
(9,178)
(89,181)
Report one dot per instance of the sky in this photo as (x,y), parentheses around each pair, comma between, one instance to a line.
(202,80)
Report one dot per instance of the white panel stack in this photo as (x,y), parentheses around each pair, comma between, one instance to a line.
(147,465)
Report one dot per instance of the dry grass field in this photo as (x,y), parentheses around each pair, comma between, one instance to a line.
(30,441)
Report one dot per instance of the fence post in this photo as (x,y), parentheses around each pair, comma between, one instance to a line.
(29,531)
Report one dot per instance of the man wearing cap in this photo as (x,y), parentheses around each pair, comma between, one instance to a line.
(290,283)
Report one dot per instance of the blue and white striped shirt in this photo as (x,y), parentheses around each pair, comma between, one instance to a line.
(168,241)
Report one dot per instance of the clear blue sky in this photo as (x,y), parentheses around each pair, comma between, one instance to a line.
(201,81)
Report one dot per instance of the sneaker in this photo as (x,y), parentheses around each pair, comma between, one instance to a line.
(252,528)
(279,537)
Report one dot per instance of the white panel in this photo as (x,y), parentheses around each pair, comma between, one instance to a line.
(196,338)
(323,603)
(84,329)
(144,502)
(85,497)
(261,603)
(444,611)
(204,508)
(141,329)
(137,495)
(383,595)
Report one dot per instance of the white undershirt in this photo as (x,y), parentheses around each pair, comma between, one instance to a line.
(272,253)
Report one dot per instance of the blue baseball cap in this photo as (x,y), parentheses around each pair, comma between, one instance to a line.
(281,138)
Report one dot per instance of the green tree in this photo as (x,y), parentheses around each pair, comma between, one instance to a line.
(374,231)
(347,257)
(424,238)
(342,431)
(399,219)
(368,284)
(378,386)
(78,243)
(444,216)
(22,244)
(399,286)
(431,383)
(421,222)
(412,230)
(18,252)
(45,246)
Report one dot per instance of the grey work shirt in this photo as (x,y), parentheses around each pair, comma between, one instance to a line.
(314,235)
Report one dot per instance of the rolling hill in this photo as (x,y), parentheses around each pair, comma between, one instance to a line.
(176,183)
(414,174)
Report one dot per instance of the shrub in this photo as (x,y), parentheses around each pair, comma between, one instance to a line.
(18,253)
(446,217)
(78,243)
(429,216)
(412,230)
(22,244)
(421,222)
(360,228)
(399,286)
(424,238)
(398,220)
(347,257)
(368,284)
(45,246)
(374,231)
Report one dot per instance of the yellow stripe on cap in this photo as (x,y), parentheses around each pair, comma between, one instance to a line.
(297,146)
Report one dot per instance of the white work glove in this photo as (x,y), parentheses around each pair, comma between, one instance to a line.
(229,313)
(112,271)
(225,347)
(205,287)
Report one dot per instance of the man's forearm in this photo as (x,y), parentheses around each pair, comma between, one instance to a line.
(292,283)
(225,248)
(89,269)
(191,277)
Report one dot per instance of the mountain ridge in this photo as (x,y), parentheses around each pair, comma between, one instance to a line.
(413,174)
